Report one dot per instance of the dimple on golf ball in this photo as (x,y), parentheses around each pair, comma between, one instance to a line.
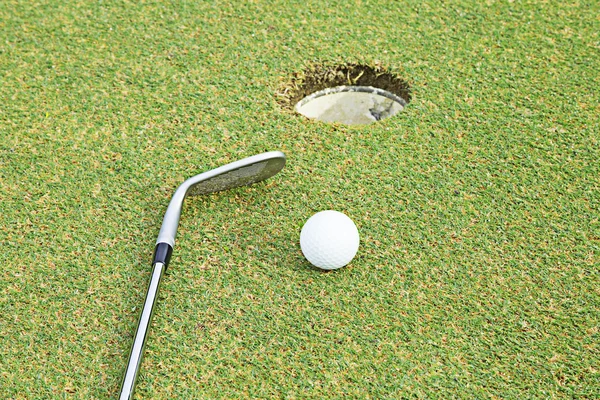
(329,240)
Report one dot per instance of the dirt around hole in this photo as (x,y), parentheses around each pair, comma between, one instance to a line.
(320,77)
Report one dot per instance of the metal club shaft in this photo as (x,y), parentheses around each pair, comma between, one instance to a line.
(141,333)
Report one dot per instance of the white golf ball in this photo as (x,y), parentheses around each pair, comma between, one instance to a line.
(329,240)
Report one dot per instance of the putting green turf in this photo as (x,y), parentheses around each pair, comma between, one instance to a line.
(478,205)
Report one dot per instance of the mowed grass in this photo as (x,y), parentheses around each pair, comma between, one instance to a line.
(478,206)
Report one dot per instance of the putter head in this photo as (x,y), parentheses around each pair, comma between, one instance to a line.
(240,173)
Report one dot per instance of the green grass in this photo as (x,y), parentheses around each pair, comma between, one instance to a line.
(478,206)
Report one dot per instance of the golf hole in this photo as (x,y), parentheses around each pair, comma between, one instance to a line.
(348,94)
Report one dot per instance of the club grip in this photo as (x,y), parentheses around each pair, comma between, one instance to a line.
(162,254)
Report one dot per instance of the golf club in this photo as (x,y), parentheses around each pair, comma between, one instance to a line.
(239,173)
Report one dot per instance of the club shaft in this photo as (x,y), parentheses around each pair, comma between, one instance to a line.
(141,334)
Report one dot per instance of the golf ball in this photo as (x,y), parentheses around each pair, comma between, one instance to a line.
(329,240)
